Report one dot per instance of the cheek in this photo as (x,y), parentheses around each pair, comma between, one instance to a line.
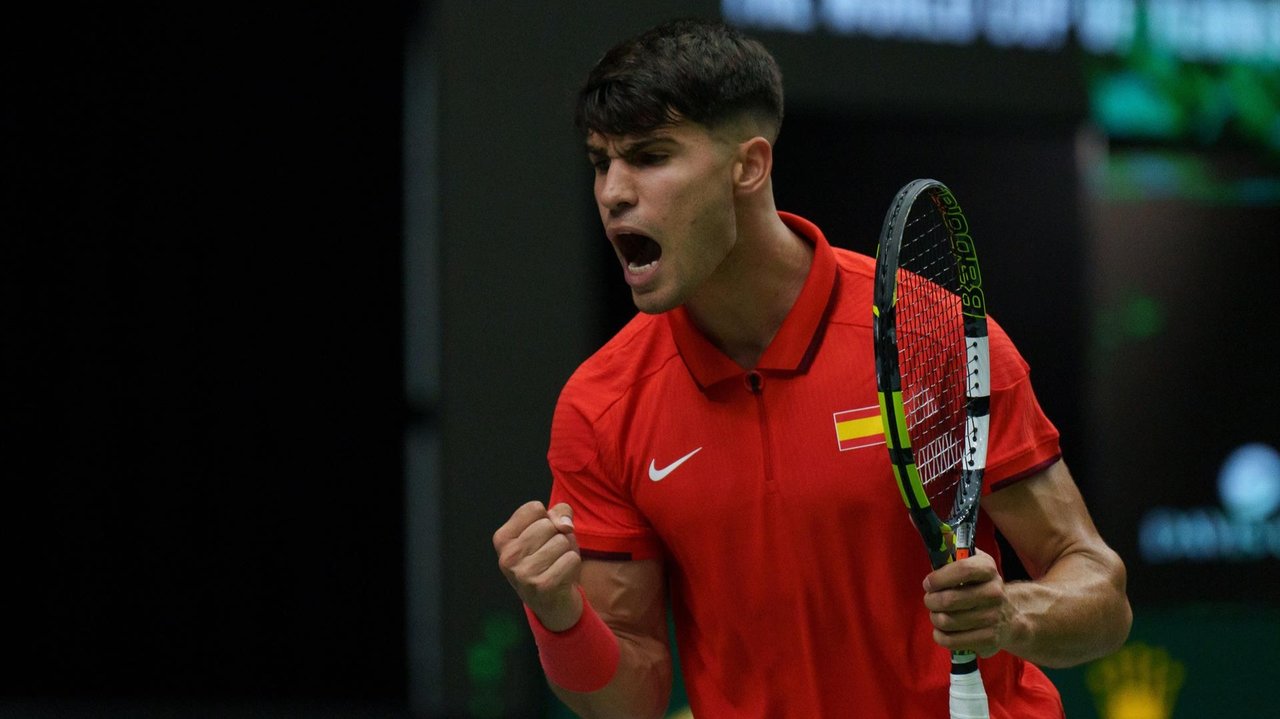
(711,203)
(716,221)
(595,195)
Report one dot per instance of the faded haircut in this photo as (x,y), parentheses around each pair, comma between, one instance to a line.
(698,70)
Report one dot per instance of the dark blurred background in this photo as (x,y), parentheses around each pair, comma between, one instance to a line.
(290,290)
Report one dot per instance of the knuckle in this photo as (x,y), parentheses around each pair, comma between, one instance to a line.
(510,556)
(574,561)
(506,562)
(561,543)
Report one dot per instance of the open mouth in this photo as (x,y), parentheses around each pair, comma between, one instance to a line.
(639,252)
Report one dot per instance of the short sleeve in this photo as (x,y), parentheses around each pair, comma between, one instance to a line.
(1022,440)
(607,523)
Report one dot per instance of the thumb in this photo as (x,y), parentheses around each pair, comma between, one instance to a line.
(562,517)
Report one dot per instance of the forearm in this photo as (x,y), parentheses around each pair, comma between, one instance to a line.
(641,687)
(622,668)
(1075,608)
(1077,611)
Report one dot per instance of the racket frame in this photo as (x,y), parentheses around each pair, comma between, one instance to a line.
(943,536)
(946,538)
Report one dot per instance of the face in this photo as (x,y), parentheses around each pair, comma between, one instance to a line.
(666,201)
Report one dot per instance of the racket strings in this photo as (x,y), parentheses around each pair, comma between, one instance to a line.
(933,356)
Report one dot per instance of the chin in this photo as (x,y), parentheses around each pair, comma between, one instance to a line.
(653,304)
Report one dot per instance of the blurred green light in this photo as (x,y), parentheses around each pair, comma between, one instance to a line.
(1134,319)
(485,663)
(1143,317)
(501,629)
(1127,105)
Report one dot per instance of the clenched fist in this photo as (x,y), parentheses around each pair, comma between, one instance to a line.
(539,556)
(969,607)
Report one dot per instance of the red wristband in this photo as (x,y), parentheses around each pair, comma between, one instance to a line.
(582,658)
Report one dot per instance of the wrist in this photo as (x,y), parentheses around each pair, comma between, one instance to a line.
(1019,622)
(563,612)
(581,658)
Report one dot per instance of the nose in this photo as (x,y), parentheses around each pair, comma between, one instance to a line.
(615,188)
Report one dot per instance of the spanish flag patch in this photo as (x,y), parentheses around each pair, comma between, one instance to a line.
(858,428)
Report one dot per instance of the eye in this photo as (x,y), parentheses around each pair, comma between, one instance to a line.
(601,165)
(651,158)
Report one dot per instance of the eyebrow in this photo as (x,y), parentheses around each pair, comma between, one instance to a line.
(629,149)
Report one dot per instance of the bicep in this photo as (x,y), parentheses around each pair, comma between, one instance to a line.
(1044,518)
(630,596)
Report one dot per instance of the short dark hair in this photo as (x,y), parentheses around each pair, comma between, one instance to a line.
(700,70)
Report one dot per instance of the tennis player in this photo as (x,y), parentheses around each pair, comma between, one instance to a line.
(722,455)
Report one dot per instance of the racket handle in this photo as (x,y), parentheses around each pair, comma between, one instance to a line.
(968,696)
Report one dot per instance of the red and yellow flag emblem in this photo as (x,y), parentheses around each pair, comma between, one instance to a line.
(858,428)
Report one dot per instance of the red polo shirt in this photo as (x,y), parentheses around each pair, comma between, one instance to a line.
(795,572)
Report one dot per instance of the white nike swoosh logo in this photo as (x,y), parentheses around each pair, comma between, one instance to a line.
(658,475)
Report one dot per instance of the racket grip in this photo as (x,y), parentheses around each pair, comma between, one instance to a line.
(968,696)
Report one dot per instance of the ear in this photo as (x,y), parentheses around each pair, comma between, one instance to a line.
(753,165)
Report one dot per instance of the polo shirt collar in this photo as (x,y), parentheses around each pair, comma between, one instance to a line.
(790,349)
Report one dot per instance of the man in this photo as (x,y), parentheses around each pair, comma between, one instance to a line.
(694,455)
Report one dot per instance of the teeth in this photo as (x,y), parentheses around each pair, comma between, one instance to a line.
(635,269)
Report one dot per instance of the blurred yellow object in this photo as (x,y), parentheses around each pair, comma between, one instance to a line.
(1137,682)
(685,713)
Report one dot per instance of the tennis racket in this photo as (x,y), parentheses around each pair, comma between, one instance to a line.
(933,376)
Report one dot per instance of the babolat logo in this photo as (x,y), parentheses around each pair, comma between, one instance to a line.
(1246,528)
(975,302)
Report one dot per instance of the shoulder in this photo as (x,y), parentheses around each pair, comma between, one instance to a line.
(641,349)
(1007,364)
(855,274)
(857,278)
(854,263)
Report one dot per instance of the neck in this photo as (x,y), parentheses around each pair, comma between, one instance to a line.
(752,292)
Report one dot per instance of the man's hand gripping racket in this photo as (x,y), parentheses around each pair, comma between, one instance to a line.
(933,377)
